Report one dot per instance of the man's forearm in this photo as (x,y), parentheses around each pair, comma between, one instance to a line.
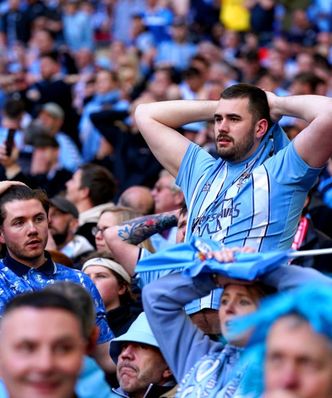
(158,123)
(176,113)
(306,107)
(141,228)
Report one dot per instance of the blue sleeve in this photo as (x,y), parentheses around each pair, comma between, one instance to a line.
(3,390)
(195,164)
(287,167)
(292,276)
(144,278)
(90,380)
(180,341)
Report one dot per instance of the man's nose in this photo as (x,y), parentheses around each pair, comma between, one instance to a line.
(223,125)
(45,360)
(99,234)
(31,227)
(127,352)
(289,379)
(154,192)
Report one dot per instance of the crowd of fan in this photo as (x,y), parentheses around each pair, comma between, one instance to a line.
(98,60)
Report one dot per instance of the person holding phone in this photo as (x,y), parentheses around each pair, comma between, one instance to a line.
(44,171)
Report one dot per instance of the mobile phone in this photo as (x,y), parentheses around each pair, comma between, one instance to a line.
(10,141)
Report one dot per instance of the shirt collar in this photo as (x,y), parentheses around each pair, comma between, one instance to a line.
(20,269)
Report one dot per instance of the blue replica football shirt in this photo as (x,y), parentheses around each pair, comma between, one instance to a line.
(243,203)
(256,202)
(17,278)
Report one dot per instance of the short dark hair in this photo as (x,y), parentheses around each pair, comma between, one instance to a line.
(44,299)
(81,299)
(100,182)
(258,104)
(192,72)
(53,55)
(202,59)
(21,192)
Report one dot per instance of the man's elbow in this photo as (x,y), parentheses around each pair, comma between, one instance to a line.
(139,111)
(142,115)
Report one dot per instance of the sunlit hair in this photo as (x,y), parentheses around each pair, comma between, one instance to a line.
(121,213)
(21,192)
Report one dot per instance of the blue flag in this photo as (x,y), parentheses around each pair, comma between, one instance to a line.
(192,259)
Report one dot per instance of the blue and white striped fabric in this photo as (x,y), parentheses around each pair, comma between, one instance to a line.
(256,202)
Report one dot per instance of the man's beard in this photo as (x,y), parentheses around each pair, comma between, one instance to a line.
(60,237)
(239,150)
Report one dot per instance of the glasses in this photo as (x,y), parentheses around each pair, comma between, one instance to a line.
(96,229)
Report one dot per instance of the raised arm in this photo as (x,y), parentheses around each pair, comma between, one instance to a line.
(314,143)
(122,240)
(158,122)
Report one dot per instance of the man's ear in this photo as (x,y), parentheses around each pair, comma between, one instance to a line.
(179,198)
(261,128)
(73,225)
(2,239)
(85,192)
(92,341)
(167,373)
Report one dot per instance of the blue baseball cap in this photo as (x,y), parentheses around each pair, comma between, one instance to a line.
(138,332)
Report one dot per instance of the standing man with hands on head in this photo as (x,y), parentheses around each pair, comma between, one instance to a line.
(253,195)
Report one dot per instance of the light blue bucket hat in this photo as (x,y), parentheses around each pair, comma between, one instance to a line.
(138,332)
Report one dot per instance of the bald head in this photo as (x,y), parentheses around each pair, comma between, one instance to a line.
(138,198)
